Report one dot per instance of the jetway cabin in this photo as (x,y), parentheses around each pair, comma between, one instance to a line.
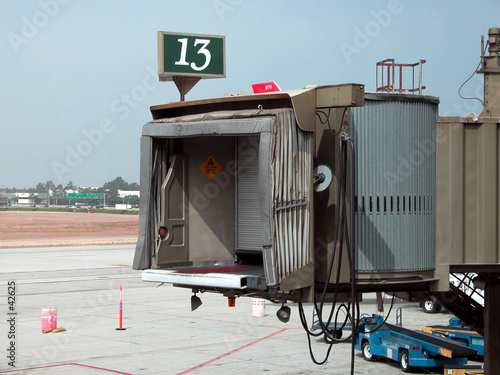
(230,197)
(214,181)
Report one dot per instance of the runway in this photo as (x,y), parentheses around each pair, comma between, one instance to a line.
(163,335)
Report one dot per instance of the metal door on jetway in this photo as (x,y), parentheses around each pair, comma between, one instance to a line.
(211,202)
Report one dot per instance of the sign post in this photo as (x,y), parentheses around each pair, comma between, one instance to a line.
(187,58)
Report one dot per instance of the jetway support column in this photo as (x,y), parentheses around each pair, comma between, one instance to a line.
(492,324)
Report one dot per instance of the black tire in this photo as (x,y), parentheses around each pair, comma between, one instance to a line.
(327,339)
(366,350)
(404,361)
(337,334)
(431,307)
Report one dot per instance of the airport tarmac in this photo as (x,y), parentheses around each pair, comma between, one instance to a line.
(162,335)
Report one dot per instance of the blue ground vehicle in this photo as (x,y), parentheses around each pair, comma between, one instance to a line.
(460,334)
(410,348)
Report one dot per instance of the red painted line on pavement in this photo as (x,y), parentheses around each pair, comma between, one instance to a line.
(68,364)
(232,352)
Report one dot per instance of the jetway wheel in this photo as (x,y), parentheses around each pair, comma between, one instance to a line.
(431,307)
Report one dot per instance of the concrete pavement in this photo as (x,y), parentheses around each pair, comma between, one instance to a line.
(162,336)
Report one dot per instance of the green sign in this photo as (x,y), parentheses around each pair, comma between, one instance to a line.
(84,195)
(190,55)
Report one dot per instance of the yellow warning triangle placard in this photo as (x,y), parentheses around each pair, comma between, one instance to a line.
(210,167)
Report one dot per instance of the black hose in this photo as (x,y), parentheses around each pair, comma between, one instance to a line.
(338,227)
(341,232)
(352,251)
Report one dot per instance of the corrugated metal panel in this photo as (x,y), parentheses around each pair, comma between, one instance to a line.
(395,185)
(249,227)
(468,180)
(292,176)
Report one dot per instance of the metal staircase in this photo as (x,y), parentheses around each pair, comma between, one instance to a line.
(464,301)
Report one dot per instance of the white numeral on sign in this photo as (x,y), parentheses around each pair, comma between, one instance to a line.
(203,50)
(182,60)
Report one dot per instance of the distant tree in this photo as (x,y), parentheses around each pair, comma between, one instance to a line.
(112,197)
(59,195)
(118,183)
(70,186)
(34,198)
(40,187)
(134,186)
(131,199)
(49,185)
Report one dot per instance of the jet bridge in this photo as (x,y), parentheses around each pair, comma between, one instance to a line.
(240,194)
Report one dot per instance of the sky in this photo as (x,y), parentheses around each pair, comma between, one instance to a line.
(77,78)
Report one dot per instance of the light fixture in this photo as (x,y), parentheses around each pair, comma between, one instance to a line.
(195,302)
(162,232)
(283,314)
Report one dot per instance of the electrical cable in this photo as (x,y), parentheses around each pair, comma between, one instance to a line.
(327,121)
(324,329)
(330,268)
(385,320)
(352,253)
(344,235)
(341,231)
(327,115)
(472,75)
(338,227)
(304,324)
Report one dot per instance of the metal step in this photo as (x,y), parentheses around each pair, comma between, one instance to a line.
(233,277)
(463,307)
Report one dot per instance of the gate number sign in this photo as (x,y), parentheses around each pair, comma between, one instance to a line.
(190,55)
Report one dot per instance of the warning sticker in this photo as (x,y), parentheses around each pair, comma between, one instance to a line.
(210,167)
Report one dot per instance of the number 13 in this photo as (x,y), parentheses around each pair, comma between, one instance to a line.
(203,50)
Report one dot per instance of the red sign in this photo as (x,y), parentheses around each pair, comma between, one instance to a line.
(259,88)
